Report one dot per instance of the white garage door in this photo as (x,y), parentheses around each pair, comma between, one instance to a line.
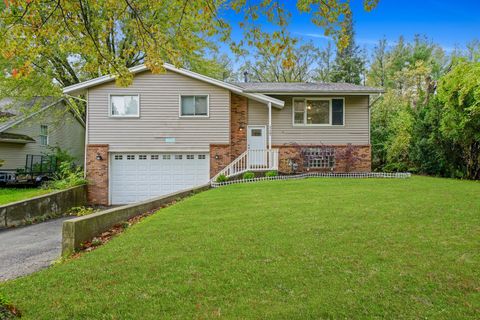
(139,176)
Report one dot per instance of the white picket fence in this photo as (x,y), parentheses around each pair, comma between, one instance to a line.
(251,160)
(358,175)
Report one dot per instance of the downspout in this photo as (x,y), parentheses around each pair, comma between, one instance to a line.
(269,126)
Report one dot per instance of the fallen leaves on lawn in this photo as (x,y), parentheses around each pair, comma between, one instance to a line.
(116,229)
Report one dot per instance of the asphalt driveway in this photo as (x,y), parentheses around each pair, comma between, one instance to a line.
(28,249)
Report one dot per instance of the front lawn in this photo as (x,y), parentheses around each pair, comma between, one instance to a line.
(304,249)
(8,195)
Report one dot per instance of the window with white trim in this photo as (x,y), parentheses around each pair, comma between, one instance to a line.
(194,106)
(44,135)
(124,106)
(318,111)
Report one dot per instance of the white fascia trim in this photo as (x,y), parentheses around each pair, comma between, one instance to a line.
(236,89)
(96,81)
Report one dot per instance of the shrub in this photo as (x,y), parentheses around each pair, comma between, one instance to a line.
(222,178)
(81,211)
(248,175)
(272,173)
(68,175)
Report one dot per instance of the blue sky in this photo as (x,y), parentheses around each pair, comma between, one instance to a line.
(449,23)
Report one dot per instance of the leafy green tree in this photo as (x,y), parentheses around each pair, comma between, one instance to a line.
(349,63)
(269,66)
(390,132)
(377,75)
(459,92)
(323,73)
(65,42)
(431,152)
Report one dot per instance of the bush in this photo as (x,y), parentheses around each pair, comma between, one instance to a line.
(68,175)
(272,173)
(248,175)
(81,211)
(222,178)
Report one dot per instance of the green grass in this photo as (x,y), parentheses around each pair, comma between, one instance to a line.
(305,249)
(8,195)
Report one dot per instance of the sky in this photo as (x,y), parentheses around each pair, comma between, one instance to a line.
(449,23)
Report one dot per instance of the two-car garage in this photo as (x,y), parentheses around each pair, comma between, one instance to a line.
(139,176)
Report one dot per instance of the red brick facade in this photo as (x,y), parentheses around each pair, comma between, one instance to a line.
(238,125)
(222,154)
(219,157)
(361,160)
(97,174)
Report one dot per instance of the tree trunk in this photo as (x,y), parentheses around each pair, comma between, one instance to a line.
(473,164)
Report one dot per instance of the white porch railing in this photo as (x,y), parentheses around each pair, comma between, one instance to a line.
(251,160)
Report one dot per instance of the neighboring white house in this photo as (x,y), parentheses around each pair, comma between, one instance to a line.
(170,131)
(33,128)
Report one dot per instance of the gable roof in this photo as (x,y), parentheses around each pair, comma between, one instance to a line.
(15,114)
(306,87)
(79,87)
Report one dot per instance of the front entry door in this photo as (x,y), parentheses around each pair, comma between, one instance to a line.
(257,145)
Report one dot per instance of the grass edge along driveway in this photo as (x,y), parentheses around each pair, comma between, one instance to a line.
(304,249)
(10,195)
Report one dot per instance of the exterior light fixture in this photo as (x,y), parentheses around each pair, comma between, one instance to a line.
(99,157)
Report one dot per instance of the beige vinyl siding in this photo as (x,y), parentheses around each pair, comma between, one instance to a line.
(64,131)
(159,115)
(355,129)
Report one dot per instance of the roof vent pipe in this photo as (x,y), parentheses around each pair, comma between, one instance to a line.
(245,76)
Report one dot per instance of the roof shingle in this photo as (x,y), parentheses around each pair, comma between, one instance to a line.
(305,87)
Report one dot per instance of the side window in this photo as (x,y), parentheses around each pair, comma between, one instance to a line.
(44,135)
(194,106)
(124,106)
(337,112)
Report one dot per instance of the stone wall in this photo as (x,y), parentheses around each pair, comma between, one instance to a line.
(81,229)
(361,155)
(42,207)
(97,174)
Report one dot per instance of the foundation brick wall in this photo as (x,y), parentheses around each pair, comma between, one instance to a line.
(361,154)
(97,174)
(238,125)
(220,157)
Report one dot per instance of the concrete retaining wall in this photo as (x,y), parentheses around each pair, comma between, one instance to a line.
(52,204)
(82,229)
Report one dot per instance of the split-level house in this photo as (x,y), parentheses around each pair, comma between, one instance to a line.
(179,129)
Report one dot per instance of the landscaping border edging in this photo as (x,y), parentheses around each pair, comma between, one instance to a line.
(81,229)
(51,204)
(398,175)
